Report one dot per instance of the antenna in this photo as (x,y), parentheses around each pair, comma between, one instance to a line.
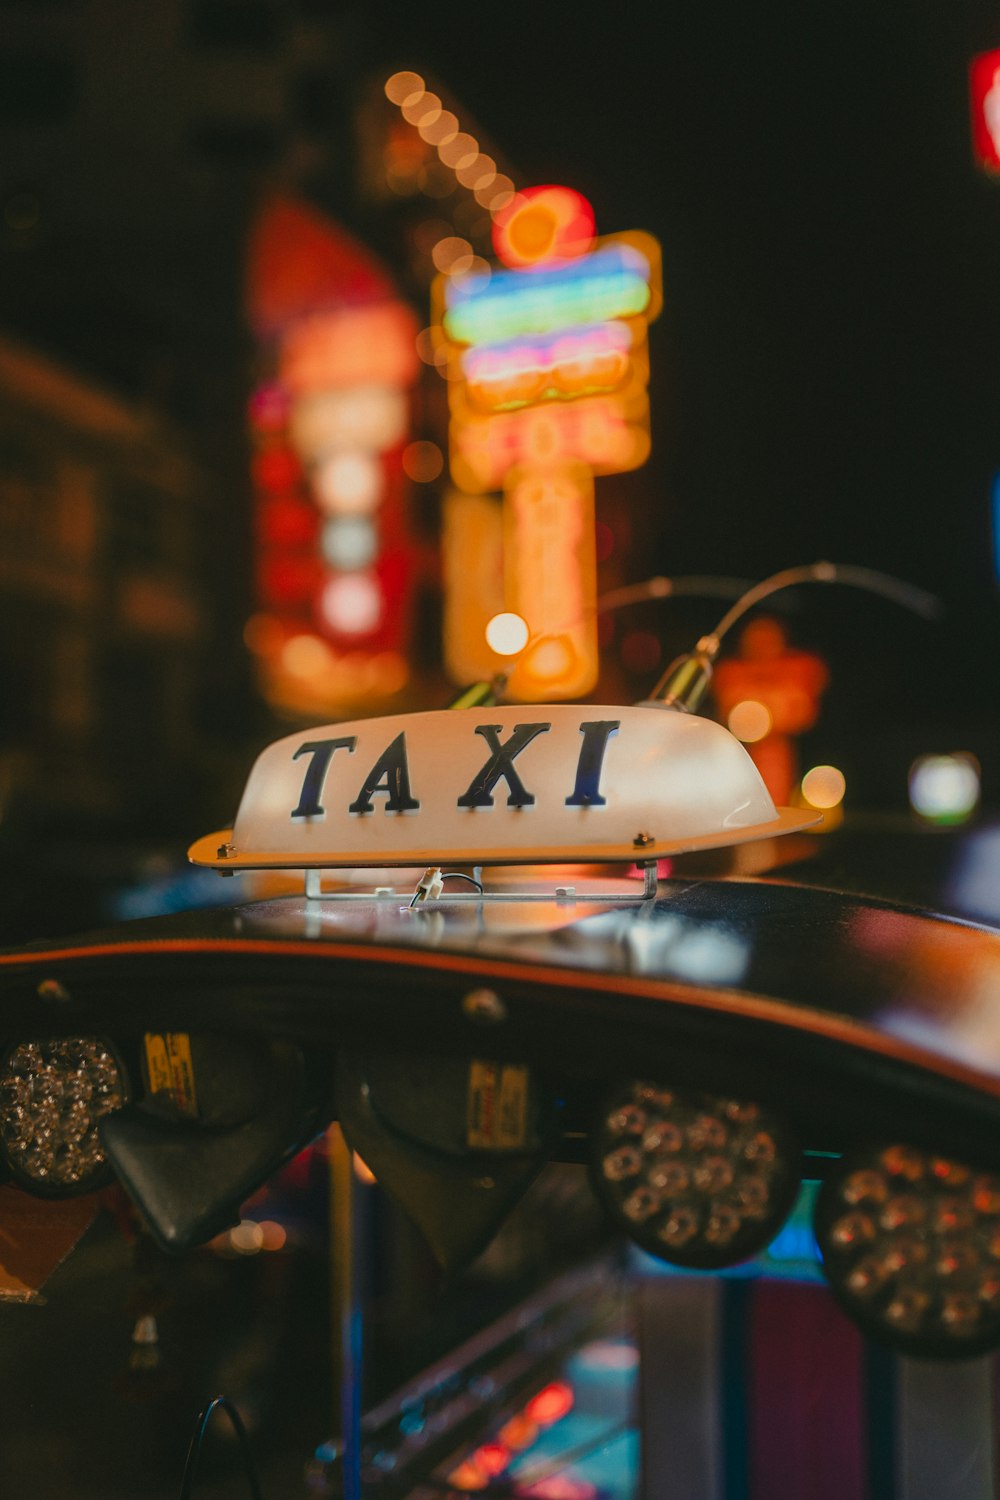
(685,682)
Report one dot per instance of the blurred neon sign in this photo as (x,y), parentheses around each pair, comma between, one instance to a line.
(614,281)
(984,100)
(548,368)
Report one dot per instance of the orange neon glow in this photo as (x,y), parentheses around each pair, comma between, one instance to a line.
(601,431)
(351,347)
(549,575)
(583,362)
(541,225)
(472,565)
(551,1403)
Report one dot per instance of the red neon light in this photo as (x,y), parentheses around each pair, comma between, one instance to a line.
(289,580)
(492,1458)
(286,521)
(541,225)
(984,98)
(276,469)
(550,1404)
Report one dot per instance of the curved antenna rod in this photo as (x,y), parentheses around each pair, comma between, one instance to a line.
(685,682)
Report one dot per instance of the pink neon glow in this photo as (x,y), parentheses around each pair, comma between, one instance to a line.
(579,362)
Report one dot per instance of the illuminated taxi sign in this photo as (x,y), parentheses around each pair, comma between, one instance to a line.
(512,785)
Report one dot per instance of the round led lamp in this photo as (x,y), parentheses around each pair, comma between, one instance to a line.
(694,1179)
(910,1242)
(53,1093)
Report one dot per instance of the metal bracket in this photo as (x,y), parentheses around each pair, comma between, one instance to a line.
(429,891)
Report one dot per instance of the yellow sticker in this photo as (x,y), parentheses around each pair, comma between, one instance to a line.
(171,1070)
(497,1107)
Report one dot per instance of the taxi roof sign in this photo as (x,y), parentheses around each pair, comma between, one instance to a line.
(518,784)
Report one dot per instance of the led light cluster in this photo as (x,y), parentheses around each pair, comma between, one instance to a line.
(52,1094)
(911,1245)
(694,1179)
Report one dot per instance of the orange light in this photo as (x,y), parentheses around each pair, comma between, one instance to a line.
(400,86)
(419,107)
(274,1236)
(355,346)
(460,151)
(824,787)
(550,1404)
(452,254)
(441,128)
(496,194)
(472,568)
(749,721)
(478,173)
(550,579)
(541,225)
(305,656)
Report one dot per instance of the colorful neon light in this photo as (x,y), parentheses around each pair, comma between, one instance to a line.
(543,224)
(577,362)
(612,282)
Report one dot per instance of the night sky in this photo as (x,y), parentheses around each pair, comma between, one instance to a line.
(824,373)
(825,377)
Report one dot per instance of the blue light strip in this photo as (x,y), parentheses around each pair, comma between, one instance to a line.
(609,283)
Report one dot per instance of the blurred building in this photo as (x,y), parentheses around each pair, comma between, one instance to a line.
(104,606)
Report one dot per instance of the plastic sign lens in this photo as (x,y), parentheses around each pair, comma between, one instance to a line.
(911,1245)
(52,1095)
(694,1179)
(501,785)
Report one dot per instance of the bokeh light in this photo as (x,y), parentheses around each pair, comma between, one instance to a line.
(402,85)
(460,151)
(507,634)
(945,788)
(824,787)
(442,127)
(423,462)
(749,721)
(349,542)
(495,195)
(420,107)
(349,483)
(305,656)
(352,603)
(452,255)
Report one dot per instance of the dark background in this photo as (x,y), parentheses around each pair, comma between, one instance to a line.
(824,371)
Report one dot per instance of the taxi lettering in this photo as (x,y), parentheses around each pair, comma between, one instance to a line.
(389,777)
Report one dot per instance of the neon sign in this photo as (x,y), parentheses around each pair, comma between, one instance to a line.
(984,99)
(548,369)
